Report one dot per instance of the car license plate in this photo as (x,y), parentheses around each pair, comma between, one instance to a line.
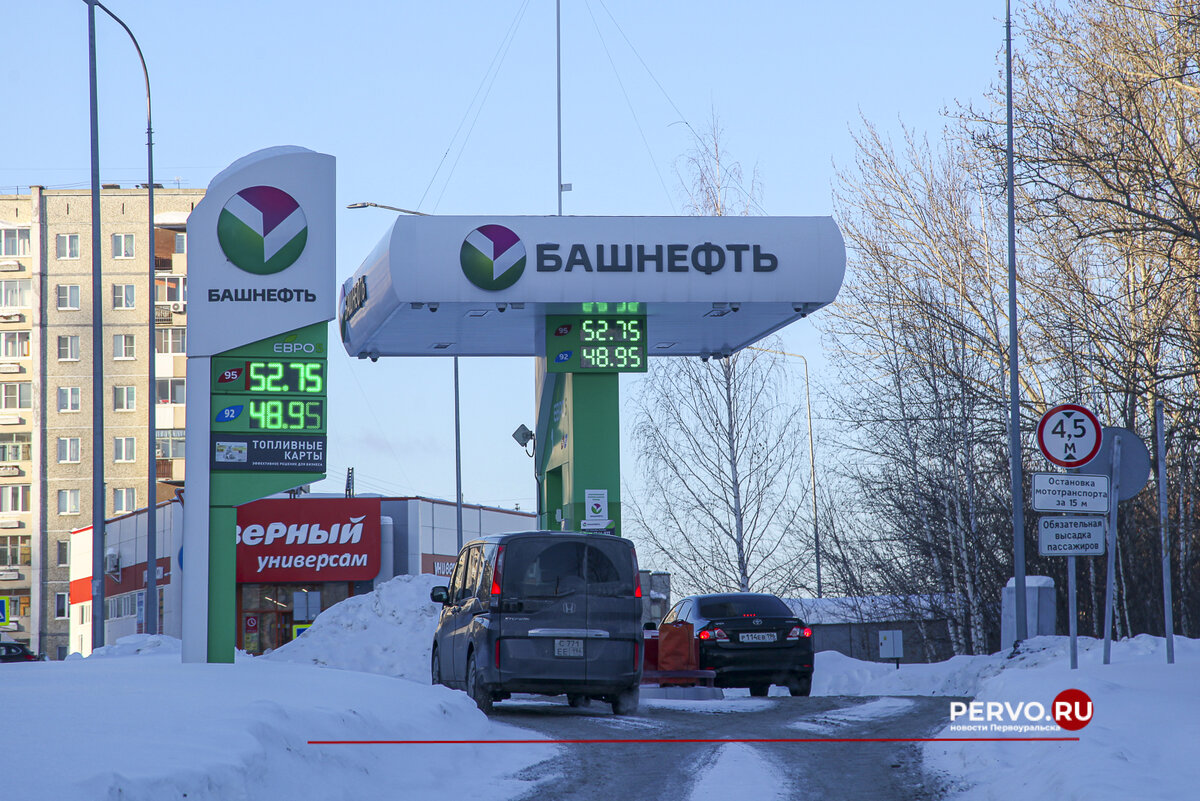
(568,647)
(758,636)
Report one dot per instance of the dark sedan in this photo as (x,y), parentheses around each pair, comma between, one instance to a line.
(750,639)
(16,652)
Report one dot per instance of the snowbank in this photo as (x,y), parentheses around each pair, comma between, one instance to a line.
(388,631)
(145,726)
(1139,744)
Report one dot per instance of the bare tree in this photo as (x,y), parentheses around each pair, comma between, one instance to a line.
(720,460)
(719,440)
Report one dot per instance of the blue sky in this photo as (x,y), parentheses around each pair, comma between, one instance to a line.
(387,88)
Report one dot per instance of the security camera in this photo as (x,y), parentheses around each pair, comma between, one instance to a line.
(500,307)
(373,355)
(735,306)
(433,307)
(704,358)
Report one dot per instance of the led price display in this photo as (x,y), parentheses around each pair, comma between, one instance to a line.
(275,414)
(596,343)
(270,376)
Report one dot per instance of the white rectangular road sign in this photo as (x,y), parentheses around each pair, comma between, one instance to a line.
(1071,536)
(1070,492)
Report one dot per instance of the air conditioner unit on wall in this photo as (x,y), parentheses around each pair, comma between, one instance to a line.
(112,562)
(179,306)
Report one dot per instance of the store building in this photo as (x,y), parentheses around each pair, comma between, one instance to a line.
(295,558)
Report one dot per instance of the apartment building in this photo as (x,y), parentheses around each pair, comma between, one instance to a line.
(46,347)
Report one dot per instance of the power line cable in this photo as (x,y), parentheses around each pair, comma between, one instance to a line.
(629,103)
(501,50)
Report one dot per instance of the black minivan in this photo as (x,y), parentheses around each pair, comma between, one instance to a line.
(543,612)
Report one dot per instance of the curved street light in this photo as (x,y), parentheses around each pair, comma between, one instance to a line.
(812,471)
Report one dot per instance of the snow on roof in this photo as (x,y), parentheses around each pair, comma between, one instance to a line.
(867,609)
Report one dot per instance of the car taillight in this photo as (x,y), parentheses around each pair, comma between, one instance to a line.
(30,658)
(496,588)
(794,634)
(637,590)
(807,632)
(497,653)
(715,633)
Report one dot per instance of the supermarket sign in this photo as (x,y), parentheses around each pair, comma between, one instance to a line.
(308,540)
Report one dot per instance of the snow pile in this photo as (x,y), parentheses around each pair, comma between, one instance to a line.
(387,631)
(138,645)
(830,722)
(155,728)
(1140,742)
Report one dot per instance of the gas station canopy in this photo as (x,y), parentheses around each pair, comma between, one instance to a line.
(484,286)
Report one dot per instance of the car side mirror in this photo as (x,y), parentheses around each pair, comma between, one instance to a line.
(650,625)
(440,595)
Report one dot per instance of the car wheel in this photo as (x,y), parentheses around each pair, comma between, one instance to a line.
(759,690)
(800,687)
(579,701)
(626,703)
(435,668)
(480,694)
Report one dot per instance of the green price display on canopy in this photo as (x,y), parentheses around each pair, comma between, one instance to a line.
(269,376)
(590,343)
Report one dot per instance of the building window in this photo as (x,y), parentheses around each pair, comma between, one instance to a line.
(123,449)
(181,243)
(169,443)
(66,246)
(14,550)
(14,241)
(124,500)
(14,344)
(15,294)
(170,288)
(122,296)
(122,246)
(68,502)
(68,349)
(68,296)
(122,346)
(14,498)
(123,398)
(68,399)
(15,447)
(121,606)
(62,606)
(170,390)
(16,395)
(64,550)
(68,449)
(170,340)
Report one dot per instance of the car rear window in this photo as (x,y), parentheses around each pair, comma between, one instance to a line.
(549,568)
(744,606)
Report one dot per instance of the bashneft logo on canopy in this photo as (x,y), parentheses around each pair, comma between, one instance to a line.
(262,230)
(492,257)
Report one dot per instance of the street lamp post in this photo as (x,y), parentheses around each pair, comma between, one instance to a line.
(812,462)
(457,427)
(151,609)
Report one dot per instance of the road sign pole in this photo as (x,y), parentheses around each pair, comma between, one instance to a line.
(1110,589)
(1168,617)
(1073,613)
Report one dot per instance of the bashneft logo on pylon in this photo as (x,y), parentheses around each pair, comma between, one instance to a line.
(492,257)
(262,230)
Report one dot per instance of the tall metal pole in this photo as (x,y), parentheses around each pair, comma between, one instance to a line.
(151,608)
(1110,581)
(457,460)
(558,83)
(1168,614)
(97,350)
(1014,422)
(812,471)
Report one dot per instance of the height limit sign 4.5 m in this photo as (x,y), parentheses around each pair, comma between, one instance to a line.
(1069,435)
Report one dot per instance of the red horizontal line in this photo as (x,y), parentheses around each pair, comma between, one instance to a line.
(710,740)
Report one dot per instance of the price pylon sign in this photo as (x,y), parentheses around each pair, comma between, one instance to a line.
(1069,435)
